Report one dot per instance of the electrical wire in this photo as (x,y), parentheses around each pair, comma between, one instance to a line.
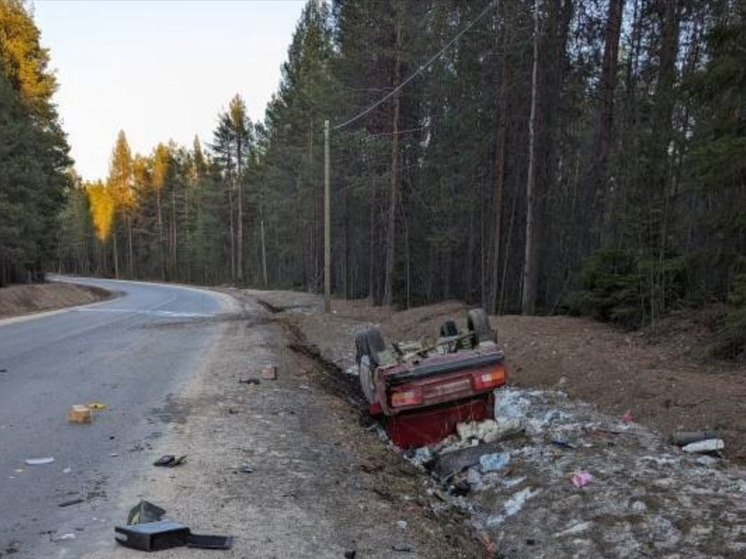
(420,69)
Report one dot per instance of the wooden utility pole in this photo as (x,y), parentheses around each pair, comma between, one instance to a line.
(327,225)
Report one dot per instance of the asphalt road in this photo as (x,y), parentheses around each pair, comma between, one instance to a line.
(129,353)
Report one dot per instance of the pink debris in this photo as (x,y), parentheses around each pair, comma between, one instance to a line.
(582,479)
(627,417)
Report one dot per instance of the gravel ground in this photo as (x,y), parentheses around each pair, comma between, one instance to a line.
(321,484)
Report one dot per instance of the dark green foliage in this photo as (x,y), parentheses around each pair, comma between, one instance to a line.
(730,338)
(32,187)
(618,287)
(33,150)
(640,164)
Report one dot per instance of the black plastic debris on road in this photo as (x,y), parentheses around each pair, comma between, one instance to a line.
(170,461)
(71,502)
(147,530)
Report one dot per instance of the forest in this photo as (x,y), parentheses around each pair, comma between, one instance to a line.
(529,156)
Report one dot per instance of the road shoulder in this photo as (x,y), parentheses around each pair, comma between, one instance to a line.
(319,485)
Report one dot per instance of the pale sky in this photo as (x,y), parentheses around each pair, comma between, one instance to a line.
(159,70)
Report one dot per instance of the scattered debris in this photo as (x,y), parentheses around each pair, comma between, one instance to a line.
(683,438)
(170,461)
(564,444)
(461,488)
(493,462)
(581,479)
(350,554)
(39,461)
(97,406)
(708,445)
(246,470)
(71,502)
(402,524)
(67,470)
(574,529)
(145,512)
(512,506)
(146,530)
(269,372)
(153,536)
(449,464)
(401,548)
(79,414)
(490,430)
(199,541)
(627,417)
(249,381)
(63,537)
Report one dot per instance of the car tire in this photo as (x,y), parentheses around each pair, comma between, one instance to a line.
(479,324)
(448,329)
(368,345)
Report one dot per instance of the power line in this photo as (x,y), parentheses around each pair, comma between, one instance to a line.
(421,68)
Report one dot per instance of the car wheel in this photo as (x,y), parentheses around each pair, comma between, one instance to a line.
(478,323)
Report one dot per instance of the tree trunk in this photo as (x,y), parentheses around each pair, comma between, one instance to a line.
(232,231)
(500,171)
(239,225)
(174,237)
(530,264)
(130,250)
(607,86)
(116,256)
(264,246)
(388,294)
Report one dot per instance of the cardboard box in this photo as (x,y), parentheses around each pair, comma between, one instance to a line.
(79,414)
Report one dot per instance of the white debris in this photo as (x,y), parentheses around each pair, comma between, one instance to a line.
(494,461)
(489,430)
(402,524)
(574,529)
(63,537)
(513,505)
(39,461)
(708,445)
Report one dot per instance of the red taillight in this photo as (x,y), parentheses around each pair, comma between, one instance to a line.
(484,380)
(407,397)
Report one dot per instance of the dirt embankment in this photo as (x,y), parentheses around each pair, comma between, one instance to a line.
(18,300)
(646,498)
(651,375)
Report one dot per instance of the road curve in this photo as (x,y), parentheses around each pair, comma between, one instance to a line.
(131,353)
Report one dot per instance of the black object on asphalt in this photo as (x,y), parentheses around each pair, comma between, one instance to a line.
(153,536)
(71,502)
(209,542)
(249,381)
(170,461)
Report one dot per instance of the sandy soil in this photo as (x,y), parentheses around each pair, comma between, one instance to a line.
(17,300)
(321,484)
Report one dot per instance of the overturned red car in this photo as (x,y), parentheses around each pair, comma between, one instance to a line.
(422,391)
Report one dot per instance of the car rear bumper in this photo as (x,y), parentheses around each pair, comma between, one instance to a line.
(430,425)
